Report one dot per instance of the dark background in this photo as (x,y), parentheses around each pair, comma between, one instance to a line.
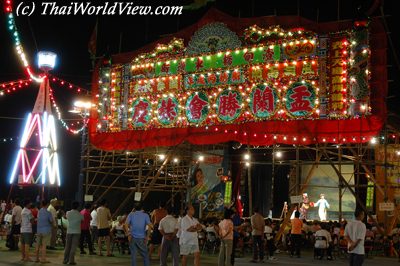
(68,36)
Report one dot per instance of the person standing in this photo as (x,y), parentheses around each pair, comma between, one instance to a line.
(3,206)
(323,204)
(53,211)
(16,224)
(156,237)
(85,230)
(305,205)
(236,226)
(354,233)
(257,225)
(269,235)
(44,225)
(103,227)
(93,225)
(188,239)
(2,210)
(73,233)
(26,230)
(35,211)
(296,234)
(137,222)
(226,235)
(169,228)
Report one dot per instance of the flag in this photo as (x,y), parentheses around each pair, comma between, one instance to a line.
(93,42)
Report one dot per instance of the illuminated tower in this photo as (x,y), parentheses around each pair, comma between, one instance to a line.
(37,158)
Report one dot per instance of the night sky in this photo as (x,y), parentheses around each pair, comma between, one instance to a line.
(68,36)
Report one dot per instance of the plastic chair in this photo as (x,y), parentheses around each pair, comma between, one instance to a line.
(211,242)
(121,241)
(368,246)
(320,252)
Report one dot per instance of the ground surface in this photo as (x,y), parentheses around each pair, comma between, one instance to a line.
(13,258)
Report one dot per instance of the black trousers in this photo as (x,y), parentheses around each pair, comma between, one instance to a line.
(271,247)
(85,236)
(258,248)
(295,244)
(320,252)
(235,240)
(356,259)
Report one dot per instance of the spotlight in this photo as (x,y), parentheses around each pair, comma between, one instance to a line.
(176,160)
(373,141)
(278,154)
(247,156)
(161,156)
(201,158)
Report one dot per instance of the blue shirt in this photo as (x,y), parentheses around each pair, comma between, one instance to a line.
(236,222)
(137,222)
(44,221)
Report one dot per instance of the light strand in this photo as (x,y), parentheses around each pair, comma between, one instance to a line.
(63,123)
(69,85)
(12,86)
(17,42)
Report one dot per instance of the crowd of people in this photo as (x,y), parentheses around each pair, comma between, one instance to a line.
(140,234)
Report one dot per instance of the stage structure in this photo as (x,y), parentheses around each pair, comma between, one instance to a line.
(264,82)
(37,158)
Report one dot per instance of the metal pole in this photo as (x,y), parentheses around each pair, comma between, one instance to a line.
(87,149)
(340,184)
(297,170)
(249,186)
(271,197)
(386,176)
(79,195)
(140,171)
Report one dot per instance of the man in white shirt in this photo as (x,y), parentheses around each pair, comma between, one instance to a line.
(73,233)
(16,224)
(188,240)
(26,230)
(168,228)
(53,211)
(93,224)
(355,235)
(323,240)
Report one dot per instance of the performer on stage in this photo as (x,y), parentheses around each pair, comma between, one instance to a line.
(304,207)
(323,205)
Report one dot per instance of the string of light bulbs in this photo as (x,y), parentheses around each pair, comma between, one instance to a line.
(12,86)
(17,42)
(69,85)
(63,123)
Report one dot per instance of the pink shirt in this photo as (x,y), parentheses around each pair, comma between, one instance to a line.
(226,226)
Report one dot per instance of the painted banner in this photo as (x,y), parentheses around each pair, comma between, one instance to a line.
(393,175)
(208,190)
